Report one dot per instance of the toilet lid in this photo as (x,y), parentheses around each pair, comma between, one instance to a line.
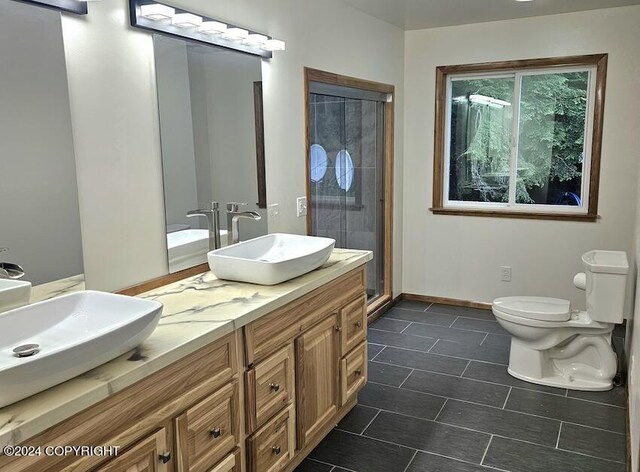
(535,308)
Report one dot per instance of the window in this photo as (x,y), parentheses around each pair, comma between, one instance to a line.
(520,139)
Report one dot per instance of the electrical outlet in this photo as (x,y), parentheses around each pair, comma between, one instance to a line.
(273,210)
(505,273)
(301,206)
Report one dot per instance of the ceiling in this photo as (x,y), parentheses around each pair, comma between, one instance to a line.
(419,14)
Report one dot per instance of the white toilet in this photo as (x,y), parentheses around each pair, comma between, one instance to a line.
(554,345)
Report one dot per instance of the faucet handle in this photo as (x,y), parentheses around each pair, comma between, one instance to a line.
(215,206)
(234,206)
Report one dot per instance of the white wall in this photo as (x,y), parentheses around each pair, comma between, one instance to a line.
(39,219)
(114,109)
(459,257)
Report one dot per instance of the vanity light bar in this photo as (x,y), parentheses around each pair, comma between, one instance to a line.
(72,6)
(165,19)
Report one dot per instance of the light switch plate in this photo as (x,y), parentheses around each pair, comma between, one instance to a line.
(301,206)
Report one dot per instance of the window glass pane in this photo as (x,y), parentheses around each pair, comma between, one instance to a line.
(553,110)
(481,134)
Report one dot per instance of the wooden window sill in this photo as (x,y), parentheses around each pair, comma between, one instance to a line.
(584,217)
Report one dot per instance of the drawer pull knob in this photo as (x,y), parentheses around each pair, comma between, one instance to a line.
(358,373)
(274,387)
(338,329)
(358,324)
(165,457)
(276,450)
(216,432)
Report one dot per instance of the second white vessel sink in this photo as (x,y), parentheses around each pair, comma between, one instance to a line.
(270,259)
(14,294)
(49,342)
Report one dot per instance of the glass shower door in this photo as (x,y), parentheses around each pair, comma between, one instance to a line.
(347,174)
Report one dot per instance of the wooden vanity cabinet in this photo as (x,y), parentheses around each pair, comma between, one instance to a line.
(317,374)
(256,400)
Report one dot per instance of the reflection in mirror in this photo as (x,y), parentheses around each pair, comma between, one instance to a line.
(39,215)
(209,129)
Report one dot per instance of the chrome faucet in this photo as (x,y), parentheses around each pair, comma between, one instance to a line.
(213,223)
(9,270)
(233,215)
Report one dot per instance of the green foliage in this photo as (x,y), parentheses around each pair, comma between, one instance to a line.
(551,133)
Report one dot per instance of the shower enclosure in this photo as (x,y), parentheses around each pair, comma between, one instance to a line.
(346,132)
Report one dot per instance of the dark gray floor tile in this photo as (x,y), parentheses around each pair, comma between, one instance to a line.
(620,330)
(480,325)
(425,462)
(429,436)
(406,402)
(617,396)
(357,419)
(420,317)
(450,334)
(309,465)
(423,361)
(406,341)
(497,340)
(509,454)
(457,387)
(387,374)
(497,355)
(594,442)
(461,311)
(389,324)
(373,350)
(411,305)
(571,410)
(361,454)
(501,422)
(498,374)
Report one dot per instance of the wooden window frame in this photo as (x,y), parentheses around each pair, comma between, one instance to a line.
(314,75)
(599,61)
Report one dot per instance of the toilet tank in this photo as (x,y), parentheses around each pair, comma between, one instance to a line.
(606,273)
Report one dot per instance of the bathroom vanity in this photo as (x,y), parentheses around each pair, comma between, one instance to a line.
(237,377)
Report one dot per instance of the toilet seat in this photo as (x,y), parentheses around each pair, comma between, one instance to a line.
(535,308)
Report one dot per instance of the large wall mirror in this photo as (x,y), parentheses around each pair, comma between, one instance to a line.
(39,213)
(210,107)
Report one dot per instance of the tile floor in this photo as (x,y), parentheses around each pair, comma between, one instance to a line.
(439,399)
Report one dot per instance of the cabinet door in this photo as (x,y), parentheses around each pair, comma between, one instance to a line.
(317,378)
(149,455)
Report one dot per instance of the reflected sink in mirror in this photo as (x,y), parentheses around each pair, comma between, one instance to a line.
(189,248)
(270,259)
(14,294)
(50,342)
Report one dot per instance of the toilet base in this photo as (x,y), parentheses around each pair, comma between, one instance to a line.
(582,362)
(562,382)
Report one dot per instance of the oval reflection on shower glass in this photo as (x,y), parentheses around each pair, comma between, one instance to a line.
(344,169)
(319,162)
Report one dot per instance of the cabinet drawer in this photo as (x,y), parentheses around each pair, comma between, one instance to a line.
(270,387)
(353,373)
(353,321)
(208,430)
(231,463)
(148,455)
(273,445)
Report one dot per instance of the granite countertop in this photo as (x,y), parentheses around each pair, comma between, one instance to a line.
(197,311)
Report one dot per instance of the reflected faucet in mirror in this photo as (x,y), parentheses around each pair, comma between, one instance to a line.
(213,223)
(234,215)
(9,270)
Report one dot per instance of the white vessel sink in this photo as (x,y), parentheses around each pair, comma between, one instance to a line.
(67,336)
(270,259)
(14,294)
(189,247)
